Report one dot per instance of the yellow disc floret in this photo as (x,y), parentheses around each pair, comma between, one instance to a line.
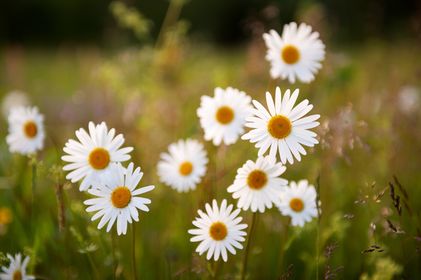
(257,179)
(99,158)
(224,115)
(290,54)
(296,204)
(218,231)
(121,197)
(279,126)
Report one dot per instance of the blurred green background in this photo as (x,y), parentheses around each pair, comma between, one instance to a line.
(224,21)
(142,68)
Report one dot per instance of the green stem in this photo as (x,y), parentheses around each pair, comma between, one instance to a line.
(318,226)
(247,250)
(134,251)
(317,249)
(113,248)
(283,242)
(33,187)
(217,268)
(91,261)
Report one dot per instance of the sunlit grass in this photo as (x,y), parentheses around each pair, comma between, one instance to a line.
(152,96)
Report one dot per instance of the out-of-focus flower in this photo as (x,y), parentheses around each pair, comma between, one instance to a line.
(117,198)
(5,216)
(16,269)
(184,166)
(299,202)
(14,99)
(283,128)
(26,130)
(295,55)
(409,100)
(218,231)
(5,219)
(258,185)
(223,116)
(91,158)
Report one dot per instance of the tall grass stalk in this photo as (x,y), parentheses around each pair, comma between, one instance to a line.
(171,17)
(60,207)
(134,251)
(247,250)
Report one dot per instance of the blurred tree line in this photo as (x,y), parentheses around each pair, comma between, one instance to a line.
(223,21)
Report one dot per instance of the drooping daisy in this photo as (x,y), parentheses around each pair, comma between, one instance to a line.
(117,198)
(184,166)
(218,231)
(295,55)
(26,130)
(222,117)
(299,202)
(258,185)
(283,128)
(16,269)
(91,158)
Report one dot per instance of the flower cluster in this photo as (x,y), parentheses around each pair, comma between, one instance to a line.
(280,129)
(95,160)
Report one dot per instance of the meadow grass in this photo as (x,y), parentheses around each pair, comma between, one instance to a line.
(152,96)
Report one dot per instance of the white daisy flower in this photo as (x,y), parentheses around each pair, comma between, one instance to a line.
(16,269)
(184,166)
(26,130)
(299,202)
(218,230)
(222,117)
(283,128)
(258,185)
(295,55)
(91,158)
(117,198)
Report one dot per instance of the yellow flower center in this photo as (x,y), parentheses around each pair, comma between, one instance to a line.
(30,129)
(279,126)
(296,204)
(224,115)
(290,54)
(99,158)
(218,231)
(257,179)
(121,196)
(186,168)
(17,275)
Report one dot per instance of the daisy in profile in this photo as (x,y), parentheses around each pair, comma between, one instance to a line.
(218,230)
(299,202)
(91,157)
(16,269)
(283,127)
(117,199)
(26,130)
(184,166)
(222,117)
(297,54)
(257,185)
